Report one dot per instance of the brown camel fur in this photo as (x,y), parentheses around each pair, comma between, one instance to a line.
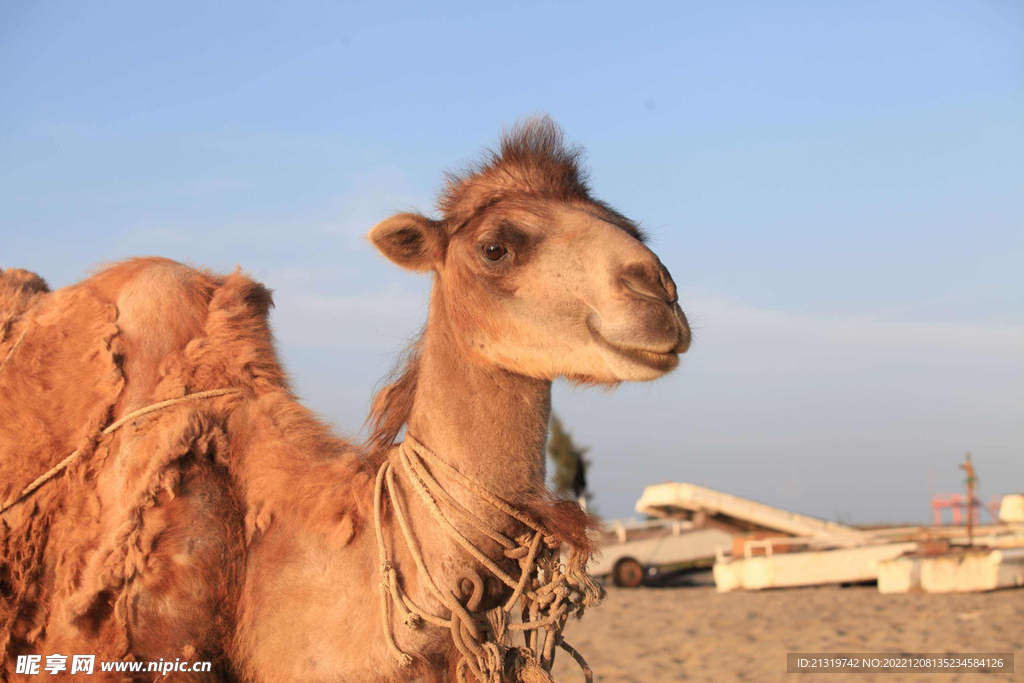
(238,529)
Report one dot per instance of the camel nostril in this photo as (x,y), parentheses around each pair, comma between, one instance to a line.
(669,285)
(647,283)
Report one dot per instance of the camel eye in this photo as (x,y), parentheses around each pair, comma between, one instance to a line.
(494,252)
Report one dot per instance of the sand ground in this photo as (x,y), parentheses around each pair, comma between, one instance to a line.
(654,635)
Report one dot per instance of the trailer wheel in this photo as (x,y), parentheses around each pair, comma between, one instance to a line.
(627,573)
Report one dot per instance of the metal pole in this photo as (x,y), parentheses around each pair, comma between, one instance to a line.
(970,481)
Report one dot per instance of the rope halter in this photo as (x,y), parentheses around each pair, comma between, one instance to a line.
(547,590)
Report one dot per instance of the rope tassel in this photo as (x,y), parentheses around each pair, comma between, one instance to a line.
(547,591)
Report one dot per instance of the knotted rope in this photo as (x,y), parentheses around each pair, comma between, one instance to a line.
(547,590)
(63,464)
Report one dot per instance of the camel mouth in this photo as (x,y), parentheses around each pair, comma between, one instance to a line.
(651,359)
(661,361)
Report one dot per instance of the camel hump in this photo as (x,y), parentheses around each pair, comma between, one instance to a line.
(17,288)
(20,280)
(163,305)
(159,291)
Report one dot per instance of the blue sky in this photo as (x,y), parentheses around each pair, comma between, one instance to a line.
(836,187)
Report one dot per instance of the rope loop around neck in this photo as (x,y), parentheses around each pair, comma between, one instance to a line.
(547,590)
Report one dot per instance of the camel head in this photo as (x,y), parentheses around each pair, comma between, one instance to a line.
(535,275)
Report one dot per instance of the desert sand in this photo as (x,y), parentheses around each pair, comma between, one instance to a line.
(651,635)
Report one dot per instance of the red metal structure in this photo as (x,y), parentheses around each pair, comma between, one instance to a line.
(957,502)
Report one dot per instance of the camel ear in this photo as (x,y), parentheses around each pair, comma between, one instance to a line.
(412,241)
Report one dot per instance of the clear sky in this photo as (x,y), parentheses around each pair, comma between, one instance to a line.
(837,188)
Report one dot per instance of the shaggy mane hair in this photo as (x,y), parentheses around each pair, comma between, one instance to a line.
(532,159)
(392,404)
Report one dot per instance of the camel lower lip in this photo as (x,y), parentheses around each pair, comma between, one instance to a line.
(658,360)
(652,359)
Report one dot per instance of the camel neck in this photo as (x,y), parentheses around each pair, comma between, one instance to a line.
(488,423)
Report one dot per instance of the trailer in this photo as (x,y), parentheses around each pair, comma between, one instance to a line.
(689,526)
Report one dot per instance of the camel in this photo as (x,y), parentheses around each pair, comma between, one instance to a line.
(204,515)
